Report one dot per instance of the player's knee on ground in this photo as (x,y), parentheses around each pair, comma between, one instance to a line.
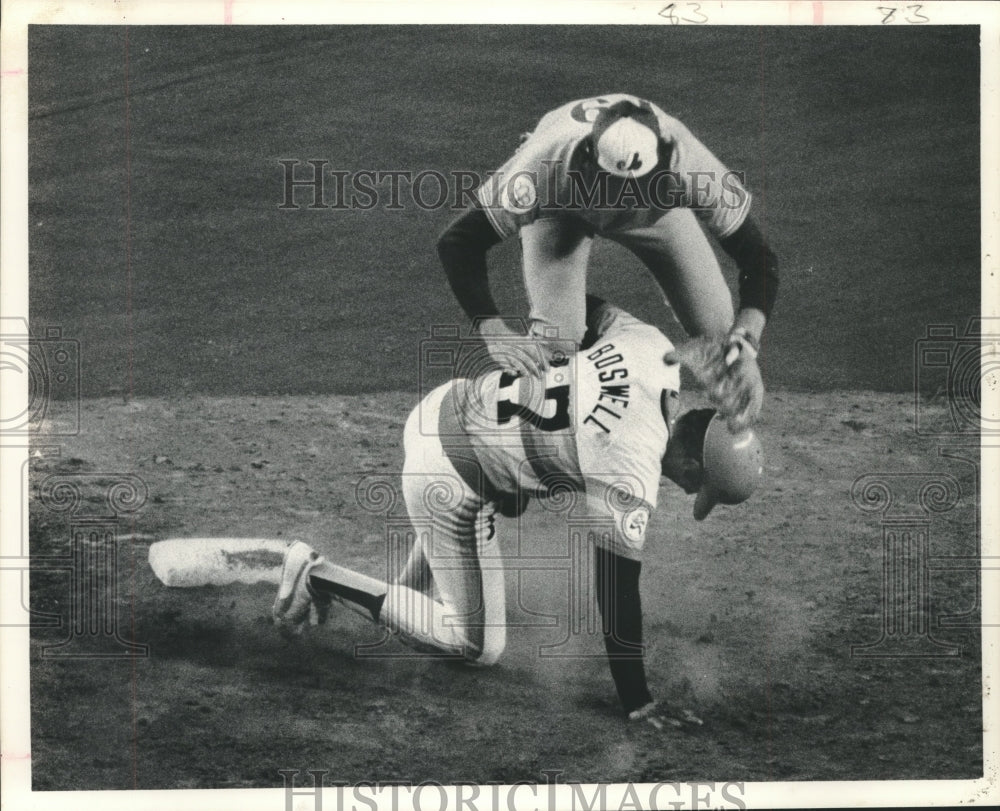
(493,648)
(427,624)
(422,622)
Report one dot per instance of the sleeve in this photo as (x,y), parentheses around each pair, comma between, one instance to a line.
(758,266)
(716,194)
(462,250)
(619,507)
(617,585)
(525,188)
(510,198)
(600,318)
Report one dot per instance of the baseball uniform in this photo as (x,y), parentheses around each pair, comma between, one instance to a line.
(557,200)
(596,426)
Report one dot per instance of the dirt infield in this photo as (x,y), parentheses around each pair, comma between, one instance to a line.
(751,618)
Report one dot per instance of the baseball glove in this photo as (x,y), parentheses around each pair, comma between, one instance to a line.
(727,368)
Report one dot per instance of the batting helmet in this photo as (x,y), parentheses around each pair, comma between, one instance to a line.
(734,466)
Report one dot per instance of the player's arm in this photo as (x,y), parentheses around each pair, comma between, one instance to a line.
(617,581)
(462,248)
(719,198)
(618,598)
(728,368)
(758,278)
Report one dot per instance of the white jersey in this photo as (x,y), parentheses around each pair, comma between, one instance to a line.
(547,178)
(596,426)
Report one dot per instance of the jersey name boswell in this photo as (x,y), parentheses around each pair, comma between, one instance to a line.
(612,398)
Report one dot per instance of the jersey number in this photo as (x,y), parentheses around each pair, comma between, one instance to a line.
(507,408)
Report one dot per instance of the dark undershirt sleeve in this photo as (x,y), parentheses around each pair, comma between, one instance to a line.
(595,307)
(617,582)
(462,249)
(757,264)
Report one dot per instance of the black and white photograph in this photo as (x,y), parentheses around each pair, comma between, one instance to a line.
(440,406)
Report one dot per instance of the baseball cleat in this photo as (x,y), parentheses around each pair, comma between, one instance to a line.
(296,603)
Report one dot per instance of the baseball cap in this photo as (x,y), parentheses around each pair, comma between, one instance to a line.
(734,465)
(626,140)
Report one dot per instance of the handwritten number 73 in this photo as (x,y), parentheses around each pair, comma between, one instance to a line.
(912,14)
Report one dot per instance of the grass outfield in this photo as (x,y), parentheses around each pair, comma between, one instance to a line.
(157,240)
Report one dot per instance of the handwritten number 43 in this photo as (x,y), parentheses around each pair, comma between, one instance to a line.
(692,14)
(911,15)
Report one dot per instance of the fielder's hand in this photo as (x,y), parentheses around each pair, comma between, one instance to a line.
(514,351)
(660,716)
(728,370)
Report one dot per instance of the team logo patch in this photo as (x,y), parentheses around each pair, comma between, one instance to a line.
(520,194)
(634,524)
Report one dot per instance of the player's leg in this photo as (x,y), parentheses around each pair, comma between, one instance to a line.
(456,544)
(468,618)
(554,254)
(416,572)
(310,583)
(455,536)
(678,254)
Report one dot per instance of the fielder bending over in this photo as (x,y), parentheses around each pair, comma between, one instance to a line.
(618,167)
(605,426)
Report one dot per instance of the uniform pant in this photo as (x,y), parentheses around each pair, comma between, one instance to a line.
(450,596)
(676,251)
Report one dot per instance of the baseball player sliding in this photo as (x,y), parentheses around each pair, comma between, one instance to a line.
(602,425)
(619,167)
